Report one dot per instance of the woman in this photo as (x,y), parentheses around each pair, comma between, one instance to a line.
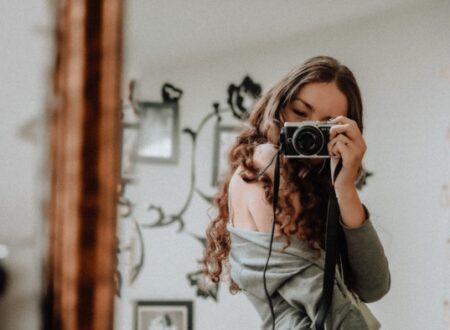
(321,89)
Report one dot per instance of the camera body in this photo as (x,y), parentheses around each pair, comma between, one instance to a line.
(306,139)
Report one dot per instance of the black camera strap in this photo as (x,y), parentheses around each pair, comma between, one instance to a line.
(332,248)
(276,188)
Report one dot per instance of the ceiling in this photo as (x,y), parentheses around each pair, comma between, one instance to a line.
(163,31)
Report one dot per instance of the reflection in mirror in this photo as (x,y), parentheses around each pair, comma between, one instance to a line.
(398,54)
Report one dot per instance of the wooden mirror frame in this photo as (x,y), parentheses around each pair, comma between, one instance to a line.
(84,116)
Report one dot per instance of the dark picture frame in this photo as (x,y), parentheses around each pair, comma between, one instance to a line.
(158,135)
(224,137)
(176,315)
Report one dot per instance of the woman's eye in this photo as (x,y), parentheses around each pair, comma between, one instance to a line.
(299,113)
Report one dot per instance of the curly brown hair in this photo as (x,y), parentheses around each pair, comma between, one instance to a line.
(299,177)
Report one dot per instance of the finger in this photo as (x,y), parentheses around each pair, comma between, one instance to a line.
(351,156)
(343,129)
(356,148)
(347,122)
(332,144)
(339,148)
(352,146)
(352,132)
(343,138)
(344,120)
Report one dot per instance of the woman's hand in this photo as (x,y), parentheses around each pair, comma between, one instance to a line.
(346,142)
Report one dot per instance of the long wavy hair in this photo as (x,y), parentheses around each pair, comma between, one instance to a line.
(300,177)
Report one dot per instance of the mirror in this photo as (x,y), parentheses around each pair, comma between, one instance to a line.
(60,177)
(400,55)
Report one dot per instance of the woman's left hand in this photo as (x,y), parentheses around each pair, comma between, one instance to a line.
(346,142)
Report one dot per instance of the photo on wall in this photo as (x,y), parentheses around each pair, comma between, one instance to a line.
(158,136)
(224,138)
(164,315)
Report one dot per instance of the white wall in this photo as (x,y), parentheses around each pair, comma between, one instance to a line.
(25,37)
(398,58)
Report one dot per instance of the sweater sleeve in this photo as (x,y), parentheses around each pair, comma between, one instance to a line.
(367,261)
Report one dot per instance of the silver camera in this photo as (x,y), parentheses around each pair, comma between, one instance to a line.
(306,139)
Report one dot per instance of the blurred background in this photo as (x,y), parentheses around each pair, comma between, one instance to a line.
(184,94)
(26,39)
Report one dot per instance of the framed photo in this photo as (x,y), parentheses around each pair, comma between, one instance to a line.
(164,315)
(158,134)
(225,136)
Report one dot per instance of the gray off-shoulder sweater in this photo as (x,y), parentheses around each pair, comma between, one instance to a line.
(295,279)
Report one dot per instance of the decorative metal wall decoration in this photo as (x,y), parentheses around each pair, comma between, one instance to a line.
(362,180)
(204,288)
(170,93)
(135,246)
(164,219)
(126,212)
(130,135)
(242,97)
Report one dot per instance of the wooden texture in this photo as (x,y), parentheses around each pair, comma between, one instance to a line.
(84,152)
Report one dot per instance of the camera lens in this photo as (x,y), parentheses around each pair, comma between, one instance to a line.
(307,140)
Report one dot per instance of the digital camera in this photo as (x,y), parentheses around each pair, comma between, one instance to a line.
(306,139)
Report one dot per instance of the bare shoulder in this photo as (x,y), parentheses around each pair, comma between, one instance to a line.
(264,154)
(249,207)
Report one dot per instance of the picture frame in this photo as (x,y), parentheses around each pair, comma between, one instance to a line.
(224,137)
(173,315)
(158,134)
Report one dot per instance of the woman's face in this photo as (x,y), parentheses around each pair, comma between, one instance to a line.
(316,101)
